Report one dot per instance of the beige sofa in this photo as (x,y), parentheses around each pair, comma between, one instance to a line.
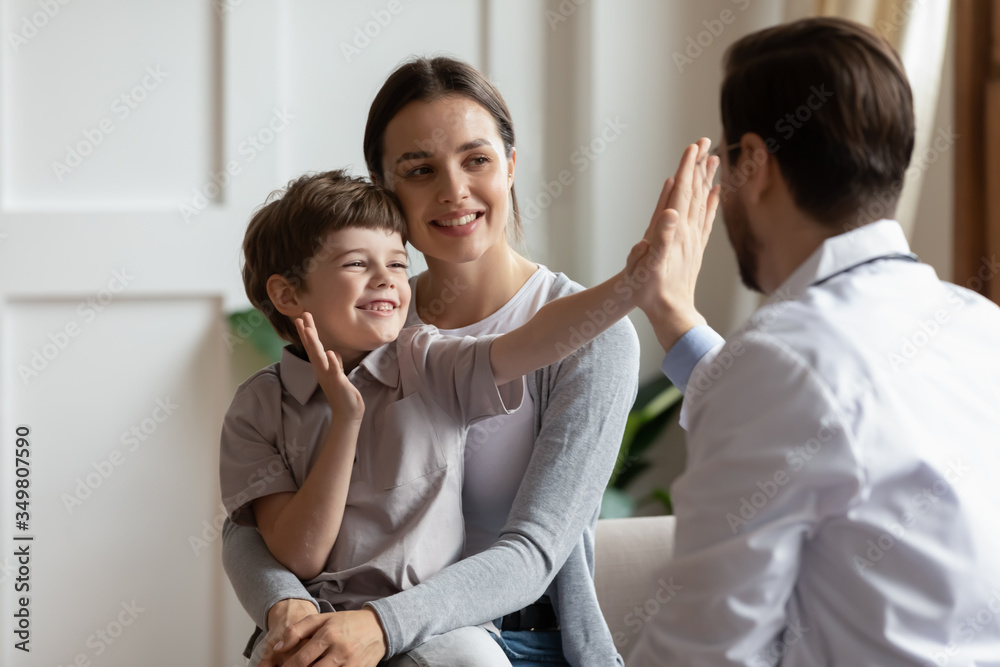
(631,587)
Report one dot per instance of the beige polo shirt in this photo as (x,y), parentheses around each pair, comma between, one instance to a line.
(403,519)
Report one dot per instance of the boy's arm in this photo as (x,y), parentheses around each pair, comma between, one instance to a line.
(674,242)
(301,528)
(563,325)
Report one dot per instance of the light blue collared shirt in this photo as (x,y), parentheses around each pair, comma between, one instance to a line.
(680,361)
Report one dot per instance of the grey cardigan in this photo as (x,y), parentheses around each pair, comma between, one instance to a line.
(547,545)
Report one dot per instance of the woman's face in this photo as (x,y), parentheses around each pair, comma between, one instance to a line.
(445,161)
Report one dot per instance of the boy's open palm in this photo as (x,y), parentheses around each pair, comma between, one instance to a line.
(345,399)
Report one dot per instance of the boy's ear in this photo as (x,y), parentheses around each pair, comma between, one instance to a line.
(282,294)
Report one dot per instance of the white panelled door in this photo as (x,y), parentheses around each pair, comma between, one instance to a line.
(135,140)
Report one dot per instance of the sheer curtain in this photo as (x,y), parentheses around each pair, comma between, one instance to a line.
(918,30)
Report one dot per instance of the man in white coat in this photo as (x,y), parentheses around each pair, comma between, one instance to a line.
(839,505)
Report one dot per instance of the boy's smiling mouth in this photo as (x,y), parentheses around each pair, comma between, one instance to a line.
(379,306)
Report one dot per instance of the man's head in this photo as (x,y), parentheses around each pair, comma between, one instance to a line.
(821,108)
(333,245)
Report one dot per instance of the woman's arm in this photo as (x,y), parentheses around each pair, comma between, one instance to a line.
(259,580)
(588,398)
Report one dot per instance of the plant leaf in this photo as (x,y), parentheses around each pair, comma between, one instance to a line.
(250,324)
(616,504)
(632,469)
(663,496)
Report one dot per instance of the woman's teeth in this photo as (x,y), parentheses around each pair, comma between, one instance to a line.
(457,222)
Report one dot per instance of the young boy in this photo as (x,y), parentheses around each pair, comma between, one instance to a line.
(329,255)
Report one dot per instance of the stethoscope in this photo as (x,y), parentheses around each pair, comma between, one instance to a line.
(906,256)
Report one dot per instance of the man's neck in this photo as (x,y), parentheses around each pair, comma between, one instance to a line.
(790,245)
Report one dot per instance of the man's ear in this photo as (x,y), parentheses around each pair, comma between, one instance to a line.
(756,166)
(282,294)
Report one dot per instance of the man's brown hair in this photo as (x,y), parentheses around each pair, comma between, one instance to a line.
(832,102)
(287,235)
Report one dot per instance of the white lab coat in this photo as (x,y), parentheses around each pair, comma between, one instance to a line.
(841,497)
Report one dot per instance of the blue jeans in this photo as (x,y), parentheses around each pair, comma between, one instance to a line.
(525,648)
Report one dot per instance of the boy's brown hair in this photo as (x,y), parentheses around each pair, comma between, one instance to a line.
(287,235)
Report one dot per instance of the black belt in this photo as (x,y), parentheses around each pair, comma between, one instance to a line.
(537,617)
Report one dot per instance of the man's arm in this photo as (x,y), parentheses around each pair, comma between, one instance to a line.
(746,507)
(696,344)
(671,310)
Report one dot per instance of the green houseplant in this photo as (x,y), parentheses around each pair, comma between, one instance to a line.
(655,405)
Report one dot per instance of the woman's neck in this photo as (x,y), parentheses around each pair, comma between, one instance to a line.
(451,296)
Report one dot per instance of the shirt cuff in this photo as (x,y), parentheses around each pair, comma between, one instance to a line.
(679,362)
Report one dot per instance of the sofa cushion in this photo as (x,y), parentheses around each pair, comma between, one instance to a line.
(630,556)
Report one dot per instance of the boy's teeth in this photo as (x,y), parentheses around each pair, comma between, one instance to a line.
(379,306)
(457,222)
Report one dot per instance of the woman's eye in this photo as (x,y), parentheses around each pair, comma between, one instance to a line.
(417,171)
(480,160)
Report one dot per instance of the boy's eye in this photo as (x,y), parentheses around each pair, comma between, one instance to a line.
(356,262)
(398,265)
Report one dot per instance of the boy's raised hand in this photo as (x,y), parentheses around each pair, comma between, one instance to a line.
(345,399)
(664,266)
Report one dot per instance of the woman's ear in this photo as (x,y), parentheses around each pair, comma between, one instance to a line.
(282,294)
(510,167)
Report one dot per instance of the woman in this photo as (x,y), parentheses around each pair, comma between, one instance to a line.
(440,136)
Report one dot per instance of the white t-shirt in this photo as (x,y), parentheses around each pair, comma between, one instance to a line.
(497,450)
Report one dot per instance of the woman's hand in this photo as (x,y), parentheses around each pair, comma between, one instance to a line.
(280,617)
(344,398)
(349,638)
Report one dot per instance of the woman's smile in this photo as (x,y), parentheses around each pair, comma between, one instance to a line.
(457,184)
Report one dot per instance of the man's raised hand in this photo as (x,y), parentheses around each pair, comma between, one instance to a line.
(666,274)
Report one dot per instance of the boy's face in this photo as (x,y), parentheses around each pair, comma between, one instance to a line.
(358,293)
